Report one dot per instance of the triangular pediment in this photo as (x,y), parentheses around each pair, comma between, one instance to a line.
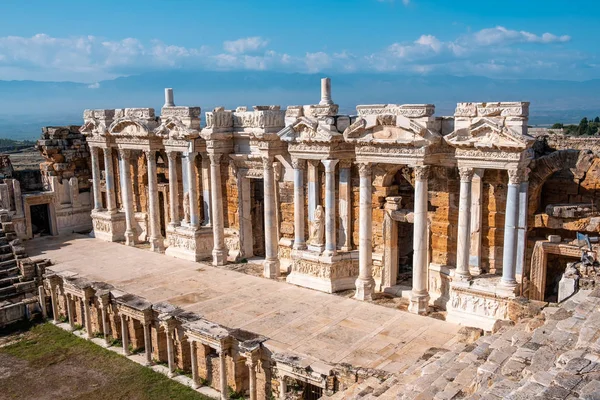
(308,130)
(92,127)
(174,128)
(390,129)
(489,134)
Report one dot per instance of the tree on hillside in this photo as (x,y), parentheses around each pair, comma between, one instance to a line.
(597,120)
(583,126)
(557,125)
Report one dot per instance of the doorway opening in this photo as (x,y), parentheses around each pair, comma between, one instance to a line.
(161,213)
(405,254)
(40,220)
(257,213)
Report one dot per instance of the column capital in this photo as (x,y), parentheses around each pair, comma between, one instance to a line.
(172,155)
(330,165)
(125,153)
(345,163)
(518,175)
(267,162)
(466,174)
(150,154)
(421,172)
(298,163)
(251,362)
(313,163)
(215,158)
(364,169)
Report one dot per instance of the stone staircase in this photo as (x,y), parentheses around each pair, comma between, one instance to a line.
(554,355)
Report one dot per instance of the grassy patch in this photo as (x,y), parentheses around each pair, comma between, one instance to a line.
(101,374)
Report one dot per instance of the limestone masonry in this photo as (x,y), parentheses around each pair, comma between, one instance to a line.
(466,217)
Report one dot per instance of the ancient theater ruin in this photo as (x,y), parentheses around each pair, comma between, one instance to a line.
(433,247)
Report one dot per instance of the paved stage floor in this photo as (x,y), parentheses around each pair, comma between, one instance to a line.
(330,328)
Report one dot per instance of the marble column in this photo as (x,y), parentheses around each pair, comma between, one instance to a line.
(223,374)
(299,237)
(147,342)
(194,362)
(53,295)
(127,196)
(88,317)
(475,266)
(522,224)
(42,299)
(219,251)
(192,187)
(70,311)
(170,350)
(345,190)
(271,263)
(464,225)
(511,215)
(155,237)
(111,202)
(313,189)
(96,179)
(104,323)
(365,284)
(173,190)
(330,214)
(125,334)
(251,363)
(282,387)
(419,298)
(206,190)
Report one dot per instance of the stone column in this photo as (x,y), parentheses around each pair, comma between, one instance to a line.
(192,187)
(173,190)
(282,387)
(475,266)
(313,188)
(365,282)
(96,179)
(170,350)
(271,264)
(54,303)
(464,225)
(330,214)
(510,230)
(70,311)
(88,317)
(419,298)
(127,196)
(19,200)
(299,238)
(223,374)
(147,342)
(345,229)
(251,363)
(194,362)
(111,202)
(206,190)
(125,334)
(155,238)
(522,223)
(42,299)
(219,252)
(104,323)
(326,92)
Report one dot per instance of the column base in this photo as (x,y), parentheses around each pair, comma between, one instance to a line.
(299,246)
(507,288)
(271,268)
(463,276)
(475,271)
(329,253)
(219,257)
(130,238)
(364,289)
(419,303)
(157,245)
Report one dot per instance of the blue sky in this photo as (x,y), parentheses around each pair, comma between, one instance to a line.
(86,41)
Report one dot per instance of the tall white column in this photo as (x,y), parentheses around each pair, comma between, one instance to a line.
(251,363)
(192,189)
(53,299)
(219,252)
(147,342)
(464,225)
(365,282)
(330,214)
(111,202)
(173,189)
(299,238)
(419,299)
(475,266)
(345,190)
(510,230)
(124,334)
(223,374)
(194,362)
(271,264)
(282,387)
(88,317)
(104,322)
(326,92)
(96,179)
(313,188)
(206,190)
(522,224)
(155,237)
(170,350)
(127,196)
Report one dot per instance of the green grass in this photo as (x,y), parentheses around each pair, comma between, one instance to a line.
(101,373)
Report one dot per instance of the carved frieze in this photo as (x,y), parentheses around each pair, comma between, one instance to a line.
(490,307)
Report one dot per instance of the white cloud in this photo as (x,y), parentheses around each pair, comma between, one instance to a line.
(500,36)
(245,45)
(94,86)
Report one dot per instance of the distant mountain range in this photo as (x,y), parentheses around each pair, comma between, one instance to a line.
(26,106)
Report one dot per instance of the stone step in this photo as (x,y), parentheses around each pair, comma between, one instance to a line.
(7,264)
(7,256)
(7,292)
(9,272)
(5,249)
(5,282)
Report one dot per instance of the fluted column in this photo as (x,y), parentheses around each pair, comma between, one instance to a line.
(155,238)
(271,264)
(419,298)
(95,179)
(464,225)
(147,342)
(223,374)
(125,334)
(510,230)
(173,190)
(111,202)
(345,190)
(194,362)
(299,238)
(330,214)
(206,190)
(127,196)
(365,282)
(251,363)
(219,252)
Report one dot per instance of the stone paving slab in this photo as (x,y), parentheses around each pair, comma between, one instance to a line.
(331,328)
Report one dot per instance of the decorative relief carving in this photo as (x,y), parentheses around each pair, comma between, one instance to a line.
(317,228)
(515,176)
(421,172)
(102,225)
(479,305)
(342,269)
(466,174)
(364,170)
(298,163)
